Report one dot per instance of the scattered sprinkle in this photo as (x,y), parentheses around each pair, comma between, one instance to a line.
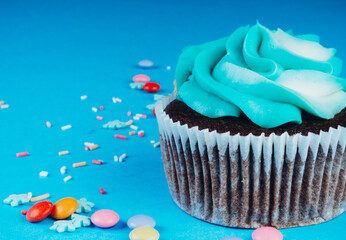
(152,141)
(67,178)
(156,144)
(132,133)
(101,108)
(48,124)
(122,157)
(5,106)
(2,102)
(98,162)
(22,154)
(115,100)
(43,174)
(94,109)
(83,97)
(99,118)
(128,113)
(39,198)
(116,159)
(141,133)
(168,67)
(129,122)
(66,127)
(120,136)
(63,153)
(136,117)
(93,147)
(80,164)
(102,191)
(63,170)
(88,144)
(134,127)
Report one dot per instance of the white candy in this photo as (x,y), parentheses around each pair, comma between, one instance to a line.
(116,159)
(43,174)
(67,178)
(121,158)
(66,127)
(94,109)
(63,170)
(133,127)
(83,97)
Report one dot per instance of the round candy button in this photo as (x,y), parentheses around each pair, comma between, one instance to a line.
(151,87)
(267,233)
(39,211)
(232,238)
(141,78)
(64,208)
(105,218)
(145,63)
(144,233)
(141,220)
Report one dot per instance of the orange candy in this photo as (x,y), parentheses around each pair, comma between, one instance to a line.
(64,208)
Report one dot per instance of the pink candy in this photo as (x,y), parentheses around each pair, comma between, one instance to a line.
(99,118)
(105,218)
(141,133)
(141,78)
(120,136)
(267,233)
(128,113)
(22,154)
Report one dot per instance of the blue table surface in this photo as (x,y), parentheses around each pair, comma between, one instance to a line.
(52,52)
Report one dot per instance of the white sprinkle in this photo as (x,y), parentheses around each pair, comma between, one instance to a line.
(136,117)
(83,97)
(63,170)
(156,144)
(114,99)
(66,127)
(121,158)
(43,174)
(89,144)
(29,195)
(133,127)
(94,109)
(5,106)
(118,100)
(152,141)
(116,159)
(67,178)
(168,67)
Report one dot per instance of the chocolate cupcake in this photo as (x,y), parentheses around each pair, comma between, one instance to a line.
(255,132)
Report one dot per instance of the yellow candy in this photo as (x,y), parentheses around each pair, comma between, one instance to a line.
(64,208)
(144,233)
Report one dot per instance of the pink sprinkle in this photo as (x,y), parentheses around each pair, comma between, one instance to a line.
(22,154)
(143,116)
(102,191)
(98,162)
(87,148)
(120,136)
(99,118)
(141,133)
(24,212)
(101,107)
(128,113)
(141,78)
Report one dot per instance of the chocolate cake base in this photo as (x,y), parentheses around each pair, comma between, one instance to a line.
(179,111)
(251,181)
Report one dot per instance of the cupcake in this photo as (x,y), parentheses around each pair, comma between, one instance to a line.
(255,131)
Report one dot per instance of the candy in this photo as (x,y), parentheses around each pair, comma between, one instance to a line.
(2,102)
(101,107)
(80,220)
(151,87)
(141,133)
(132,133)
(88,144)
(84,205)
(145,63)
(137,85)
(93,147)
(144,233)
(116,159)
(5,106)
(43,174)
(102,191)
(136,118)
(99,118)
(79,164)
(122,157)
(129,122)
(94,109)
(39,198)
(63,226)
(115,100)
(232,238)
(22,154)
(61,153)
(116,124)
(48,124)
(120,136)
(98,162)
(83,97)
(141,220)
(17,199)
(128,113)
(141,78)
(39,211)
(24,212)
(105,218)
(63,170)
(133,127)
(267,233)
(67,178)
(156,144)
(66,127)
(64,208)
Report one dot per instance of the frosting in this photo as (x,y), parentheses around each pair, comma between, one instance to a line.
(270,76)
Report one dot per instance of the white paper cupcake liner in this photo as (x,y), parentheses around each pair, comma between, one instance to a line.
(252,181)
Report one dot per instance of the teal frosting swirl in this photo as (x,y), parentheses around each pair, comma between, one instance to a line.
(270,76)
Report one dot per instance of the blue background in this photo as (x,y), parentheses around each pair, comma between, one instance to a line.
(52,52)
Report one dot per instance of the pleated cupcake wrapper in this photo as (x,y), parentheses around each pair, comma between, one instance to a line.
(252,181)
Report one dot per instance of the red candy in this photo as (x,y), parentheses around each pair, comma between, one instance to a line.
(151,87)
(154,112)
(101,107)
(39,211)
(24,212)
(102,191)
